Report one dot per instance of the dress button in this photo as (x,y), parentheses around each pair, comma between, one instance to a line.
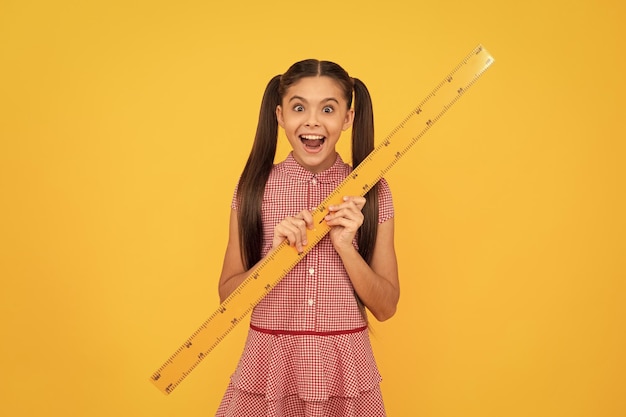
(314,181)
(311,302)
(311,271)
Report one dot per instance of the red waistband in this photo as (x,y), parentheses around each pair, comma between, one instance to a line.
(300,333)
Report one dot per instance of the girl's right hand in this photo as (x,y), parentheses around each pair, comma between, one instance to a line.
(294,230)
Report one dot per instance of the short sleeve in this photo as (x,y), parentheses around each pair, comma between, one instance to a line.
(385,201)
(234,204)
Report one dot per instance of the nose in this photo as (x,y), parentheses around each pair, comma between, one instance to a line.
(312,120)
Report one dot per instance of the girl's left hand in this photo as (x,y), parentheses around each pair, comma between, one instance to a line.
(345,220)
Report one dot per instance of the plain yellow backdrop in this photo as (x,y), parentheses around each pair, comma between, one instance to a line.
(124,126)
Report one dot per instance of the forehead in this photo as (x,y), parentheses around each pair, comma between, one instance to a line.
(316,88)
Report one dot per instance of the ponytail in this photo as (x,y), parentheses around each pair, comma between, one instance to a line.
(362,145)
(255,175)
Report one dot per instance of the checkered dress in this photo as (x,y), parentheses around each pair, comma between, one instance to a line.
(308,351)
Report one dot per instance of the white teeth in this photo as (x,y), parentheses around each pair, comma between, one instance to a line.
(312,137)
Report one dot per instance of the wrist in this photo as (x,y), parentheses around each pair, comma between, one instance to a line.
(346,250)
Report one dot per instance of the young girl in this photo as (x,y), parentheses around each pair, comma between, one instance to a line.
(308,351)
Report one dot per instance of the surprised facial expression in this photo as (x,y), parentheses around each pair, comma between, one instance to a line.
(314,113)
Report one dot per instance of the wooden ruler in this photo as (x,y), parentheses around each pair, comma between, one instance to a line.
(283,258)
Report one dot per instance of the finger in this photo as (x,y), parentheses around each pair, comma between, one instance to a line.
(347,210)
(307,217)
(288,233)
(294,230)
(346,214)
(344,222)
(350,202)
(358,201)
(302,222)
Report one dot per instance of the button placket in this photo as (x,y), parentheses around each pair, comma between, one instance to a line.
(310,301)
(310,295)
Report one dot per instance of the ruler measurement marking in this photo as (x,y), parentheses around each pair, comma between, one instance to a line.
(283,258)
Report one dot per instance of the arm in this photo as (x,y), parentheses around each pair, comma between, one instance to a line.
(377,285)
(233,270)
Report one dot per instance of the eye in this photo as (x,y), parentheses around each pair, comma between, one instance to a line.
(298,107)
(328,109)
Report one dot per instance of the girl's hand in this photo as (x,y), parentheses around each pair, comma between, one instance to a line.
(294,230)
(344,220)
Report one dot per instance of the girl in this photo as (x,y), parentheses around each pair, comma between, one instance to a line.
(308,351)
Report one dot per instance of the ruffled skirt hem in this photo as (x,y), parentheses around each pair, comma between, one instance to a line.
(239,403)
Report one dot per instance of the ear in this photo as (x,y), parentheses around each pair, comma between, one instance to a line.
(347,123)
(279,116)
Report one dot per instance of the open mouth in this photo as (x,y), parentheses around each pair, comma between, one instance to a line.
(312,141)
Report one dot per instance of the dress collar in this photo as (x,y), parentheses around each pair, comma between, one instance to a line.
(335,174)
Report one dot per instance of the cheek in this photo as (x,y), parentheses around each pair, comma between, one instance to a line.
(290,126)
(291,122)
(341,125)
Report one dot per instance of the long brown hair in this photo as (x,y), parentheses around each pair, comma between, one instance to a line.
(261,160)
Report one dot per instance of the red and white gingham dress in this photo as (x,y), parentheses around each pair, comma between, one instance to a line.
(308,351)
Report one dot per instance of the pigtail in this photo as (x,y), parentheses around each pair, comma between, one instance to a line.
(362,145)
(255,174)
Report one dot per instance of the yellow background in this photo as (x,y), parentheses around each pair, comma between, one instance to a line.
(123,129)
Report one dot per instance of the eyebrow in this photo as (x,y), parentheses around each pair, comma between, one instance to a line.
(305,100)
